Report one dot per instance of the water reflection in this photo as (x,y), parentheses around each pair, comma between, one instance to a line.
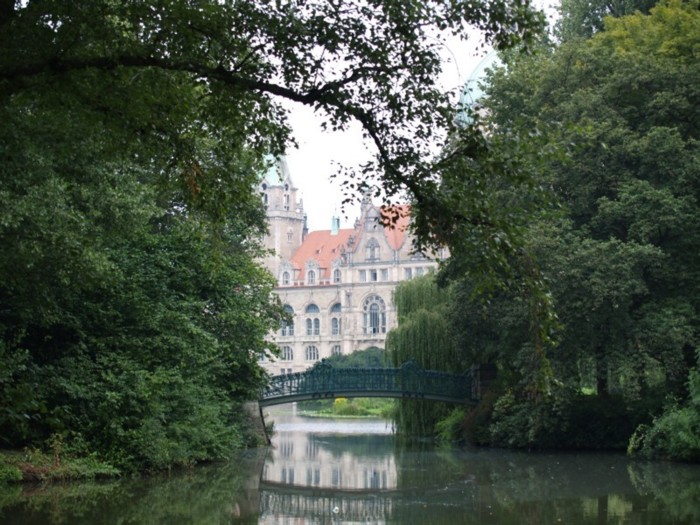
(328,475)
(353,472)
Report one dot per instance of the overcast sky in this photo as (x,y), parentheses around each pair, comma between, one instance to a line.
(312,164)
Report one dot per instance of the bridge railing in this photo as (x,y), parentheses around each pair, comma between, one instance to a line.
(409,380)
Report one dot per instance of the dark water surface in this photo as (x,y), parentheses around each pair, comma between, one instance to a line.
(353,471)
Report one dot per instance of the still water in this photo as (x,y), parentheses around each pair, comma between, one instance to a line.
(353,471)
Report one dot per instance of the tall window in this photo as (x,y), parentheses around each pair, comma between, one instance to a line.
(286,201)
(311,353)
(309,326)
(336,327)
(336,350)
(313,324)
(287,353)
(336,275)
(408,273)
(385,274)
(363,276)
(288,326)
(311,277)
(374,315)
(285,278)
(290,235)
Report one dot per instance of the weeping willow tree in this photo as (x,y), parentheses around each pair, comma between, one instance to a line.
(424,336)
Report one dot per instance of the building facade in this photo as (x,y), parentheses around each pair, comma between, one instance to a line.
(336,284)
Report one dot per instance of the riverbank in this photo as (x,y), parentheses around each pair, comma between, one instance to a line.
(348,408)
(34,465)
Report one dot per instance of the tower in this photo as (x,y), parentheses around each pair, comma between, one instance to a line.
(285,215)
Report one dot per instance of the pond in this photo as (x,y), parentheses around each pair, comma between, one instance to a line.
(354,471)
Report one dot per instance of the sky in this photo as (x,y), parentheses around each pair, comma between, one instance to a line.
(319,152)
(313,162)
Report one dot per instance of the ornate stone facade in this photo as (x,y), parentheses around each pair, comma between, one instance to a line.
(337,284)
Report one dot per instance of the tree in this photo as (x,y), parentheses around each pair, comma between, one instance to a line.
(621,262)
(131,309)
(422,336)
(375,63)
(584,18)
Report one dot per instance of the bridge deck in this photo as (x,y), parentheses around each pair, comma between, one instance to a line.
(407,381)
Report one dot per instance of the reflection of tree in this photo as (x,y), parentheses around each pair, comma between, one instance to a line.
(676,489)
(217,494)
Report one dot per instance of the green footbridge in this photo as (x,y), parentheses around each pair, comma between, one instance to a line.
(408,381)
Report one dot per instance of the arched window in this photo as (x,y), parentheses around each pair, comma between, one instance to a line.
(335,326)
(311,353)
(287,353)
(336,350)
(285,278)
(374,315)
(336,275)
(313,324)
(288,326)
(372,250)
(311,277)
(336,308)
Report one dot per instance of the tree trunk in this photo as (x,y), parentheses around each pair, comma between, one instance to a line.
(601,371)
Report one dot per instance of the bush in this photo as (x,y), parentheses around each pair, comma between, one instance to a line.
(676,433)
(566,419)
(8,472)
(343,407)
(451,429)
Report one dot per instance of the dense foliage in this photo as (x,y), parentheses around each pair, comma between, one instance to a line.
(423,336)
(621,256)
(132,312)
(121,329)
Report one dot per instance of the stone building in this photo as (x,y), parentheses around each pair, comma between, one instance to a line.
(337,284)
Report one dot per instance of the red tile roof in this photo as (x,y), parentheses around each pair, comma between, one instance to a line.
(322,247)
(396,219)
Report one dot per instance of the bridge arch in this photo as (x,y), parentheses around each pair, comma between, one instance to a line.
(323,381)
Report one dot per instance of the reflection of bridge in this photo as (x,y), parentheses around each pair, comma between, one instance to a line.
(325,505)
(408,381)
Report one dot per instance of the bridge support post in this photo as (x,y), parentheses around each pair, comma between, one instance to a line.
(264,426)
(255,413)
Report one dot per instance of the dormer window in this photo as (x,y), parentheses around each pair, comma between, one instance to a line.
(311,277)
